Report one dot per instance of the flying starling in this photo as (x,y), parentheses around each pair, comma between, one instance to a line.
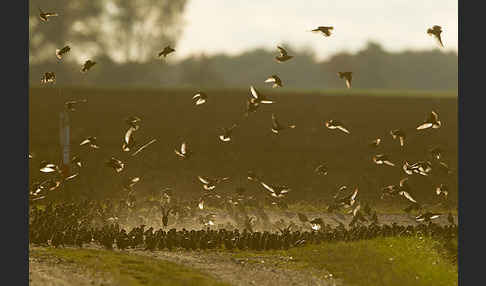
(277,82)
(167,50)
(44,16)
(326,31)
(435,31)
(61,52)
(87,65)
(348,76)
(284,56)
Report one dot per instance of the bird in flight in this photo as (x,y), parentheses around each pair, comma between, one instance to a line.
(46,167)
(400,134)
(321,169)
(381,159)
(348,76)
(48,77)
(258,98)
(431,121)
(183,153)
(277,82)
(209,184)
(276,191)
(61,52)
(44,16)
(87,65)
(226,136)
(72,103)
(436,31)
(334,124)
(116,164)
(325,30)
(200,98)
(167,50)
(284,56)
(91,142)
(375,143)
(277,127)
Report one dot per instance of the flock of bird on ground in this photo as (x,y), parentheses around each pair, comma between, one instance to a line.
(73,223)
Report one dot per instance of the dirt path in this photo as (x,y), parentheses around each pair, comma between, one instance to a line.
(55,272)
(242,272)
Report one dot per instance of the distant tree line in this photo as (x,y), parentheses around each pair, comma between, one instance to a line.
(372,68)
(124,37)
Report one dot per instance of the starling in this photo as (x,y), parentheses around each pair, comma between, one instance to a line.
(87,65)
(284,56)
(167,50)
(200,98)
(431,121)
(436,31)
(348,76)
(49,77)
(61,52)
(326,31)
(277,82)
(44,16)
(334,124)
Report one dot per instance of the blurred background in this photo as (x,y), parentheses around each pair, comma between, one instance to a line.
(230,44)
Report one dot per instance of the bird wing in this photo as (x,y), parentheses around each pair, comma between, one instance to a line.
(266,101)
(424,126)
(183,148)
(254,92)
(348,83)
(85,141)
(144,146)
(270,189)
(197,95)
(353,197)
(128,135)
(203,180)
(270,79)
(343,129)
(408,196)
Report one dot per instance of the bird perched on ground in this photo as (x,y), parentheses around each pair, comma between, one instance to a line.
(348,76)
(375,143)
(44,16)
(334,124)
(277,82)
(325,30)
(61,52)
(316,223)
(91,142)
(436,31)
(400,134)
(284,56)
(209,184)
(87,65)
(277,127)
(167,50)
(72,103)
(184,152)
(381,159)
(200,98)
(116,164)
(226,136)
(275,190)
(321,169)
(431,121)
(48,77)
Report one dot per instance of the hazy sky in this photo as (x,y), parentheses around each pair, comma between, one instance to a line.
(214,26)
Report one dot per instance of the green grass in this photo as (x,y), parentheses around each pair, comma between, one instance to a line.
(381,261)
(130,269)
